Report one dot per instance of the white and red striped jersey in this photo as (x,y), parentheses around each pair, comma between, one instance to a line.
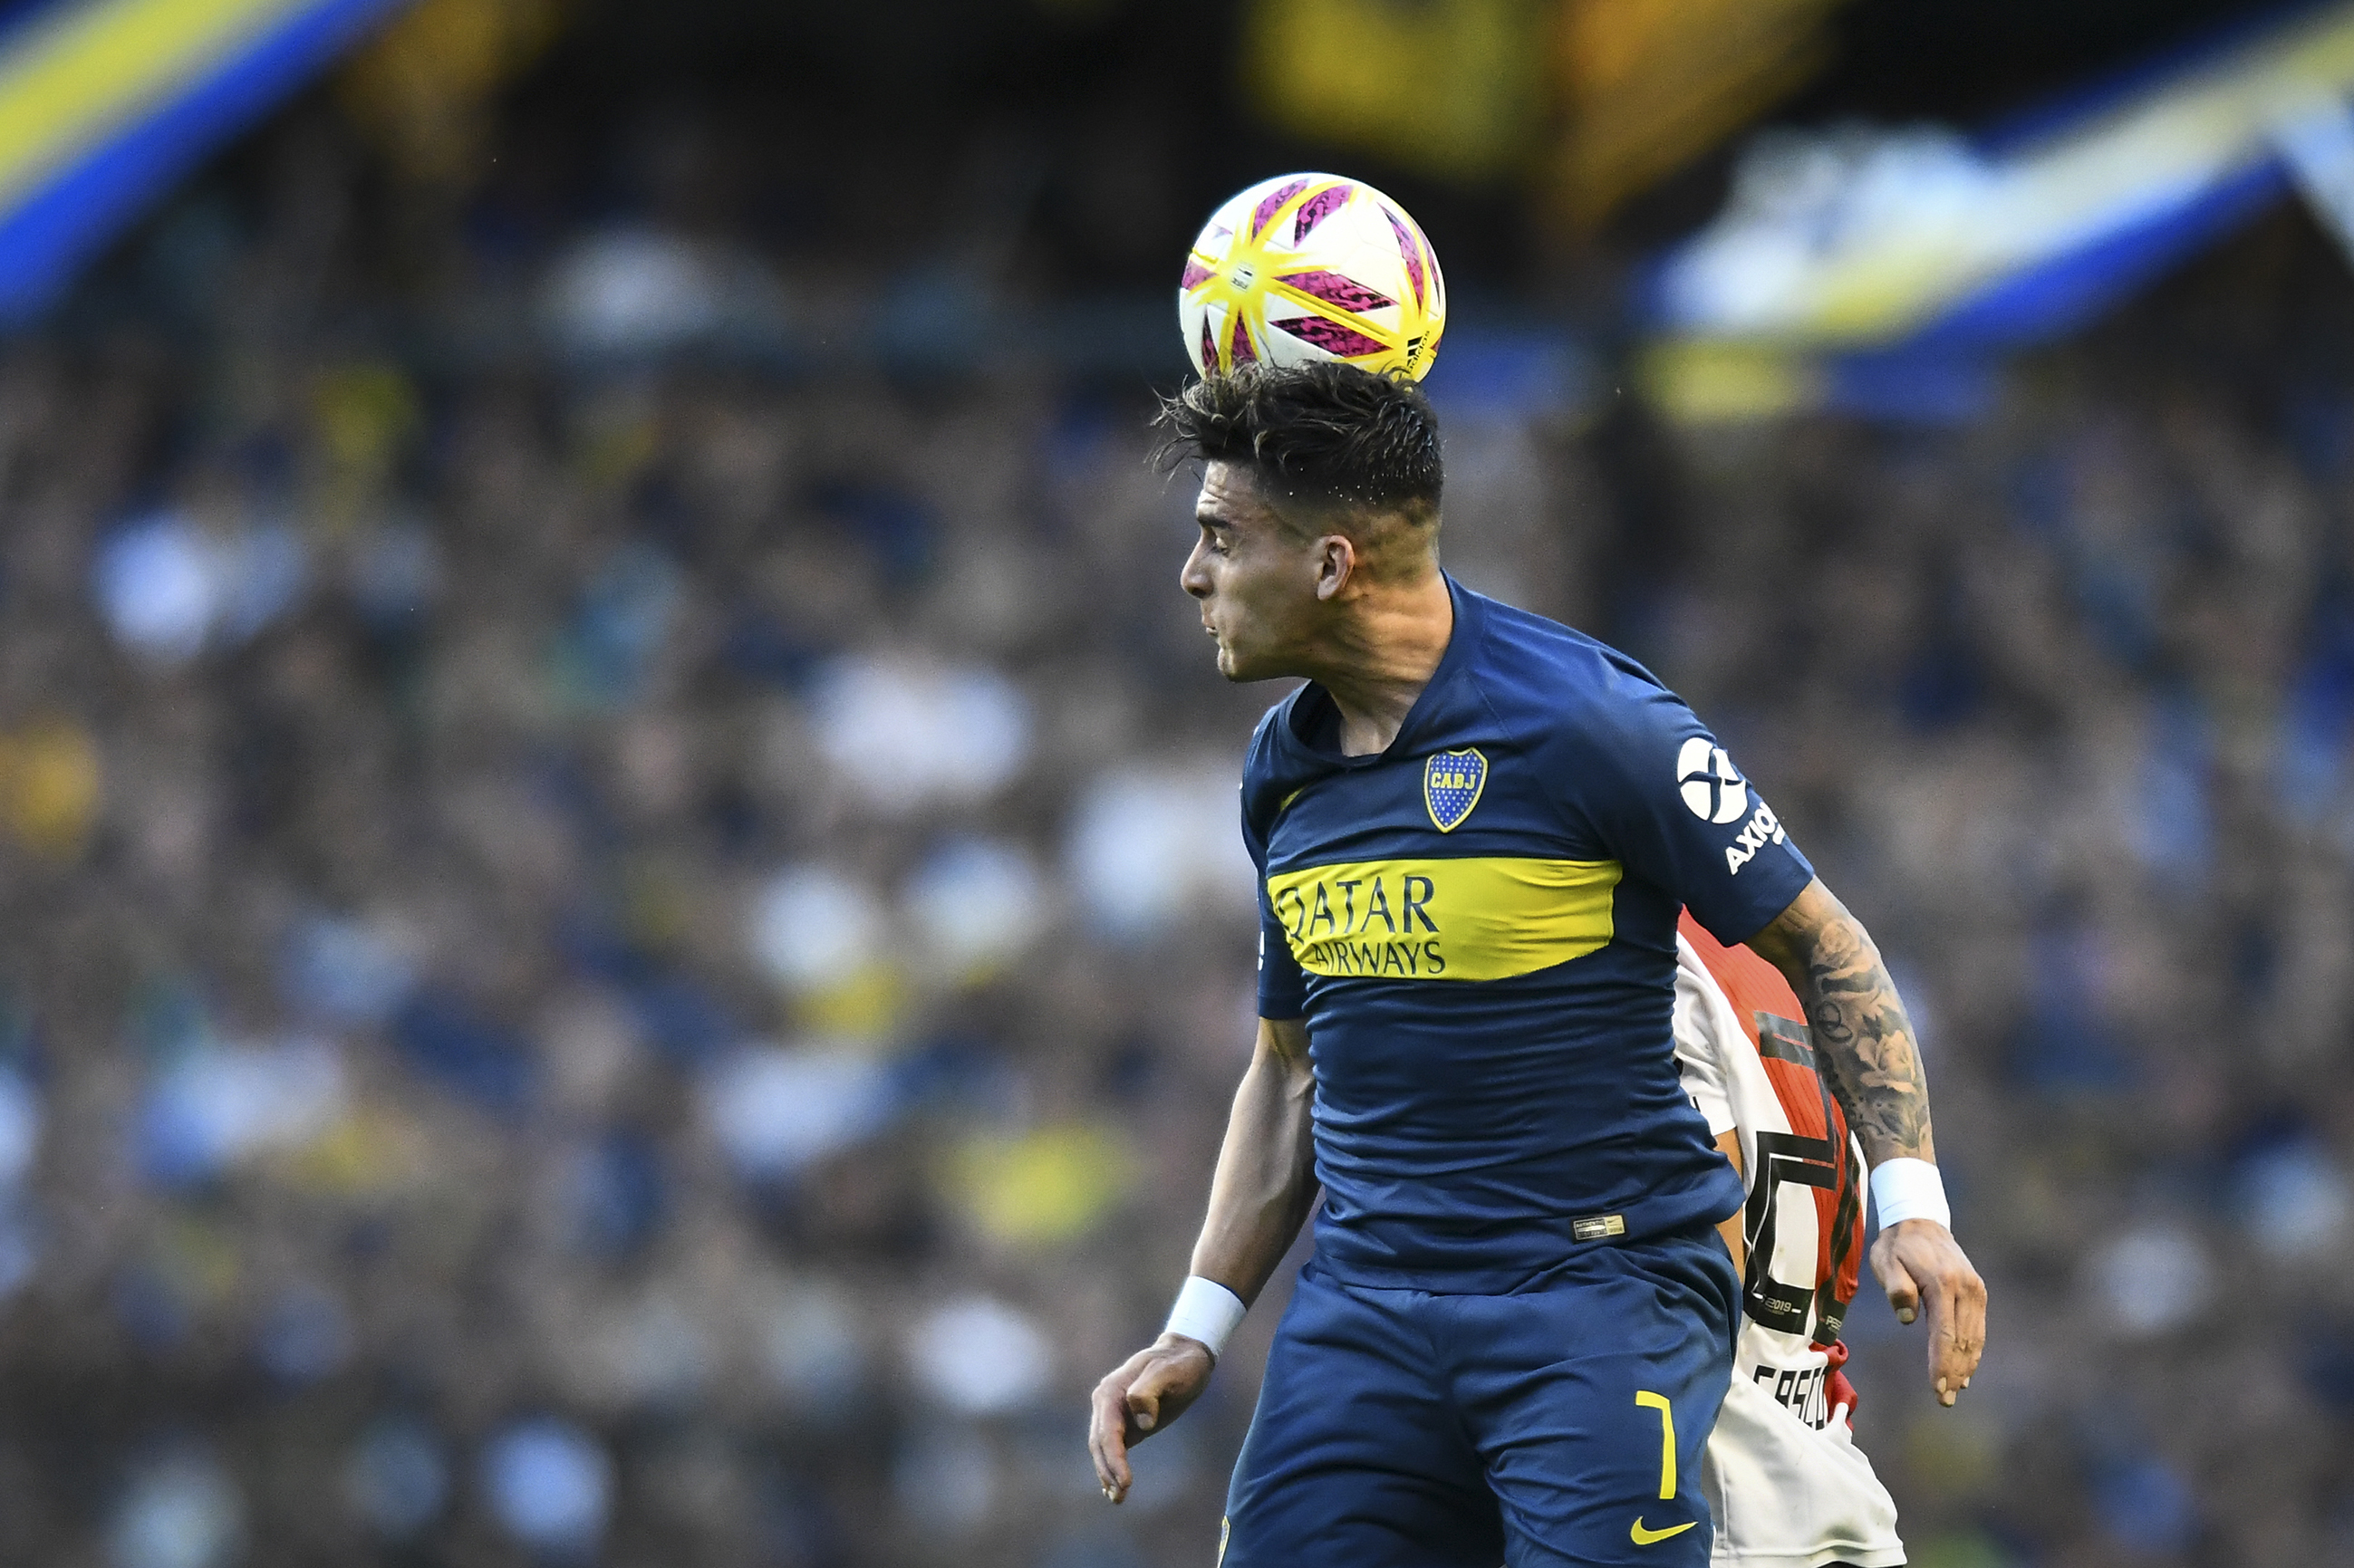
(1787,1485)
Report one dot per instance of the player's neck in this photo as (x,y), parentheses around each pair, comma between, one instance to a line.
(1380,656)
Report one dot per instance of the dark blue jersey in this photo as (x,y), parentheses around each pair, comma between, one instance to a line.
(1479,927)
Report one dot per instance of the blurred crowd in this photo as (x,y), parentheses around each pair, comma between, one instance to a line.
(627,942)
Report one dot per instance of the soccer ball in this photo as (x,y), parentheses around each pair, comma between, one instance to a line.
(1309,266)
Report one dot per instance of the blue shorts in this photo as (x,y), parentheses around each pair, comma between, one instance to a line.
(1563,1424)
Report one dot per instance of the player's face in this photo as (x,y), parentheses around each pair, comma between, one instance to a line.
(1254,578)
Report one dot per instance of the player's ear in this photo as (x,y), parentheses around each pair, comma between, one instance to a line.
(1336,560)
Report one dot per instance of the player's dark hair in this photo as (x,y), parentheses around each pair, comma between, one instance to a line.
(1333,432)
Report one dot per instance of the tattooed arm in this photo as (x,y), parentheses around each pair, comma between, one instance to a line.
(1862,1038)
(1866,1050)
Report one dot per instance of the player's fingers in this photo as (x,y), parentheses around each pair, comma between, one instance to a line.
(1968,1324)
(1105,1449)
(1903,1294)
(1944,1361)
(1112,1473)
(1108,1439)
(1145,1394)
(1099,1453)
(1096,1457)
(1973,1315)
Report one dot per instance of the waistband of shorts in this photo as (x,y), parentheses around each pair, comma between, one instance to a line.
(1513,1279)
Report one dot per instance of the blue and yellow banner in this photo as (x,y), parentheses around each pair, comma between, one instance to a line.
(1874,254)
(105,103)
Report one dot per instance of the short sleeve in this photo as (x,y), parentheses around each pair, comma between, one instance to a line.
(1282,984)
(1701,1020)
(1673,809)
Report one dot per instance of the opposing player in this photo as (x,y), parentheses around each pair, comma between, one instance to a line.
(1785,1481)
(1474,828)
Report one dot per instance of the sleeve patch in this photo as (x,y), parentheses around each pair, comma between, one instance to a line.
(1712,786)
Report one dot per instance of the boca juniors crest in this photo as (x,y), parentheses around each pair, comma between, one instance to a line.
(1451,782)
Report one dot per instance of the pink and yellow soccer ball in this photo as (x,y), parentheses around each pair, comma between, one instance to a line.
(1309,267)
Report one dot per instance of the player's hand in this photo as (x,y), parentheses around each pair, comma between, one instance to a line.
(1147,1392)
(1921,1267)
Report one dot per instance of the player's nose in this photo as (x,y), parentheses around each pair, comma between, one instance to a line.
(1195,576)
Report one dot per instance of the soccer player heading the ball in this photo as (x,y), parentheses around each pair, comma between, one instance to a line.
(1474,829)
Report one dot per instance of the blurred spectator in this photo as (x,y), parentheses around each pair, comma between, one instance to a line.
(980,1356)
(397,1479)
(181,1510)
(549,1485)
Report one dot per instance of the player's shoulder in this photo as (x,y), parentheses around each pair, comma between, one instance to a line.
(1544,678)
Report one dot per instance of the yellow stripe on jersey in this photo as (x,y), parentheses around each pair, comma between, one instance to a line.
(1479,919)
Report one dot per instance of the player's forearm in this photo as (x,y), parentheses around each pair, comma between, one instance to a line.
(1266,1179)
(1863,1039)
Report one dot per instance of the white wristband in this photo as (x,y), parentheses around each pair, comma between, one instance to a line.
(1909,1190)
(1205,1310)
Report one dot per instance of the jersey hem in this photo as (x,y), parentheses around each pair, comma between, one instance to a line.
(1510,1278)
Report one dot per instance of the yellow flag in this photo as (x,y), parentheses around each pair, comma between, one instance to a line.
(1454,89)
(1650,84)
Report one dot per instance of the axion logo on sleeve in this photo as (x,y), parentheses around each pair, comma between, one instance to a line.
(1711,787)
